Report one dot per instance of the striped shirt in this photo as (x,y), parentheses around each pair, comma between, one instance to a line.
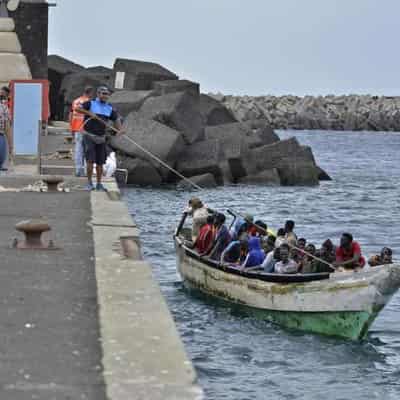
(4,118)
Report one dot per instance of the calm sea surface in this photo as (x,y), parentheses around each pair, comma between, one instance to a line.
(239,357)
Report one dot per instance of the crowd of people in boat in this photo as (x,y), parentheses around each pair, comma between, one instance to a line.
(250,244)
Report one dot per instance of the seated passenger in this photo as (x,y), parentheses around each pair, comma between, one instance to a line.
(348,254)
(325,254)
(381,259)
(301,244)
(239,229)
(199,215)
(255,255)
(295,255)
(270,260)
(306,263)
(259,229)
(280,237)
(286,265)
(268,243)
(290,236)
(222,237)
(206,237)
(327,251)
(235,252)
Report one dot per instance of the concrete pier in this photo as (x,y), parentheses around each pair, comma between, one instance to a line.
(85,320)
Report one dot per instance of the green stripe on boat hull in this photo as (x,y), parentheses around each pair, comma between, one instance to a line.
(353,325)
(345,324)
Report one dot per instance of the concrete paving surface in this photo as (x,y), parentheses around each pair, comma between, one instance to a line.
(49,347)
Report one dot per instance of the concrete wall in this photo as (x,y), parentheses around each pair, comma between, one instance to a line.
(143,356)
(31,24)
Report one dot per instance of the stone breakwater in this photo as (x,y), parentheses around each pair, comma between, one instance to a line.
(349,113)
(190,131)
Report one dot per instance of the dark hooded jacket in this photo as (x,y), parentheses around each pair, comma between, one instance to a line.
(255,255)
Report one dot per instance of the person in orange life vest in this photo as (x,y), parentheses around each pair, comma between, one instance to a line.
(348,254)
(77,126)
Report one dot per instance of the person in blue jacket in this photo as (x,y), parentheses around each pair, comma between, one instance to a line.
(255,256)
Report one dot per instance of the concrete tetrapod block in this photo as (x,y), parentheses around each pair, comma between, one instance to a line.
(140,172)
(7,25)
(162,141)
(295,163)
(74,84)
(62,65)
(263,130)
(202,158)
(267,177)
(178,111)
(126,101)
(166,87)
(9,43)
(295,174)
(13,66)
(140,75)
(214,112)
(99,69)
(236,140)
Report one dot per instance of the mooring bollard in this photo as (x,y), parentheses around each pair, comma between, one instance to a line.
(52,182)
(33,230)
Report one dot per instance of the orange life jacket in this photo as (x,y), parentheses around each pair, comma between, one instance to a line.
(77,119)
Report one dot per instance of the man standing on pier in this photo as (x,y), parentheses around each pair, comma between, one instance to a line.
(76,126)
(97,114)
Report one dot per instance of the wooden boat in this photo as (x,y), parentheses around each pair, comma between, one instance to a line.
(342,304)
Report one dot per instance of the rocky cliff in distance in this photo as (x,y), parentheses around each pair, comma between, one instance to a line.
(349,113)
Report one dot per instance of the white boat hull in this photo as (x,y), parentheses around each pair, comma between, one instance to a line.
(344,305)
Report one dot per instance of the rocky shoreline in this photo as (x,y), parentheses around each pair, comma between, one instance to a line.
(192,132)
(344,113)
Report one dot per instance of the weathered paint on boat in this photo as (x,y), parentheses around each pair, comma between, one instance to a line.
(344,305)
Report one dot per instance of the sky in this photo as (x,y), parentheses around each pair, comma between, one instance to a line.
(242,47)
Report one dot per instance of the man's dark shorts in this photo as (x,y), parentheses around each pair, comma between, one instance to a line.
(96,153)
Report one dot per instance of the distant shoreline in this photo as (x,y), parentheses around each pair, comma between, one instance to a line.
(340,113)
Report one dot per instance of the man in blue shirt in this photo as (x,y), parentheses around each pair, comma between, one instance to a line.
(97,114)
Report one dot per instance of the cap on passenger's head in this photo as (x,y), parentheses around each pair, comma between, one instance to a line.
(249,218)
(195,203)
(103,90)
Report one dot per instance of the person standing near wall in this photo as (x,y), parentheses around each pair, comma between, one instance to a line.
(5,127)
(76,126)
(97,114)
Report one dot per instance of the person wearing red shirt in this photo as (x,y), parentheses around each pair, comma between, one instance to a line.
(206,237)
(348,254)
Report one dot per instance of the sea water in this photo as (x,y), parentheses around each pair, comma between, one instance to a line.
(239,357)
